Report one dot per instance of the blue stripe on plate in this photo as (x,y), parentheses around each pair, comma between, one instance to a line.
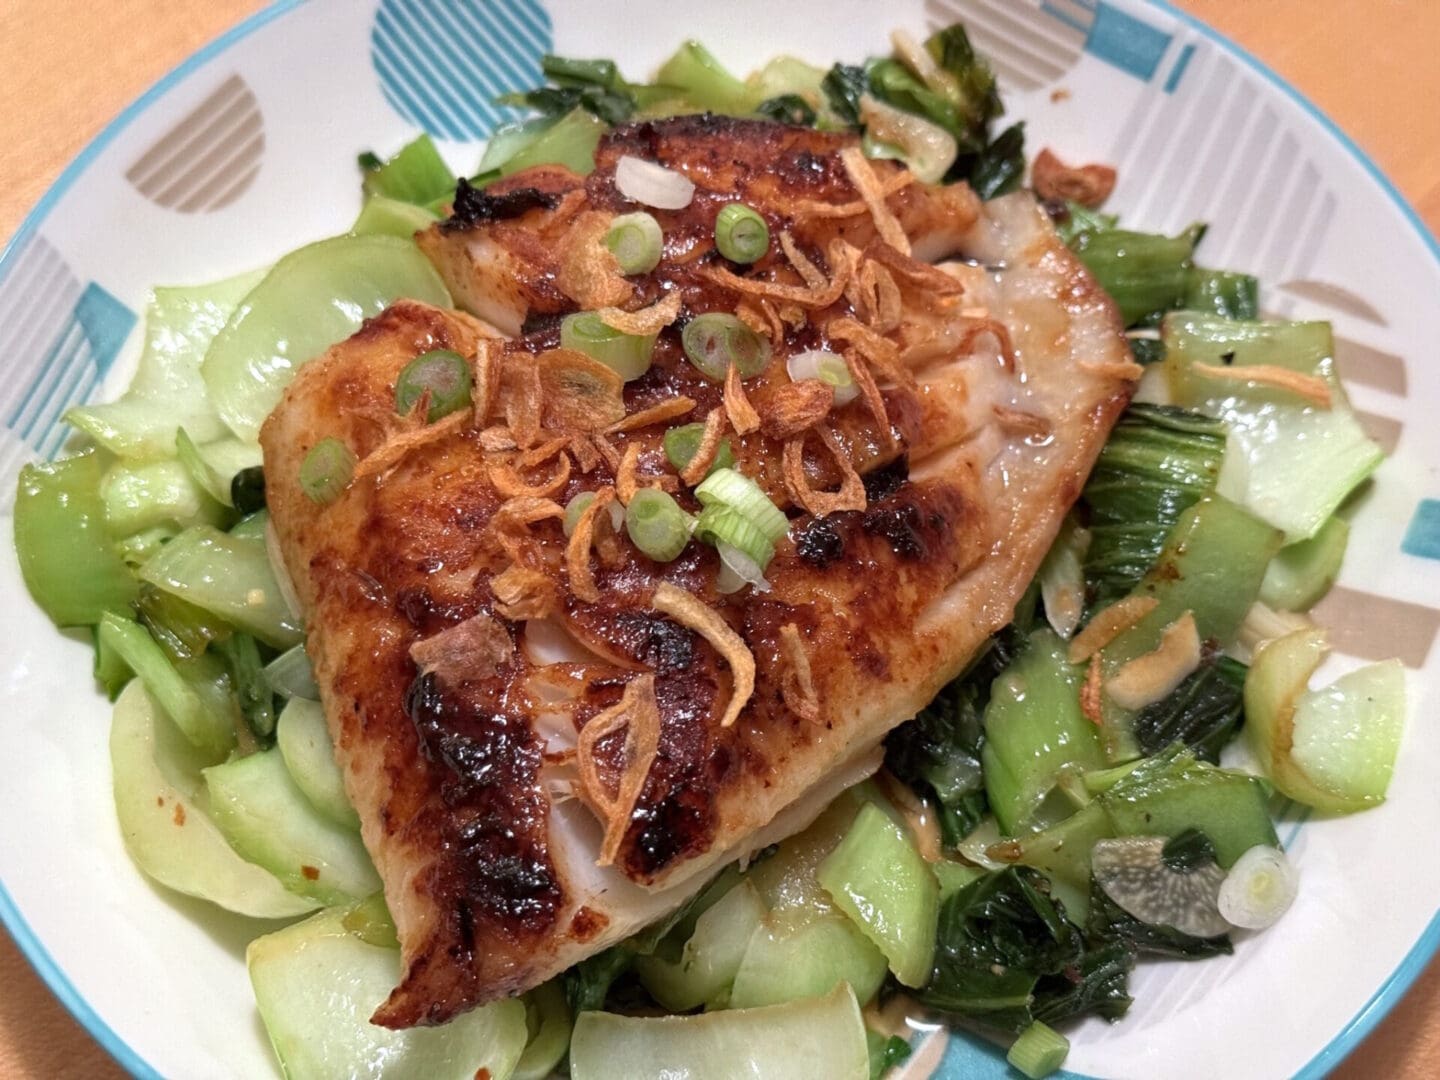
(10,915)
(1128,43)
(442,63)
(1178,71)
(1422,538)
(1360,1025)
(1424,949)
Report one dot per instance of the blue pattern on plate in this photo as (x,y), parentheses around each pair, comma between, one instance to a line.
(1126,42)
(442,63)
(1422,538)
(974,1058)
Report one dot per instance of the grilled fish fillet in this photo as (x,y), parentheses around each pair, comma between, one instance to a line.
(463,645)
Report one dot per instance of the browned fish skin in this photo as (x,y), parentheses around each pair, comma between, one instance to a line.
(450,771)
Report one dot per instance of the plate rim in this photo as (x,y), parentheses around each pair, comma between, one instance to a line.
(1376,1008)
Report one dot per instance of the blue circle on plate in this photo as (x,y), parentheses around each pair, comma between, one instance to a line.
(442,63)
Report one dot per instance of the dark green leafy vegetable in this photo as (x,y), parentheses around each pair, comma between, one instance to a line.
(938,753)
(1074,220)
(1145,273)
(588,983)
(1000,164)
(843,84)
(1158,462)
(974,96)
(1188,850)
(1204,712)
(1226,293)
(1109,922)
(893,83)
(253,691)
(788,109)
(1006,955)
(1147,350)
(885,1052)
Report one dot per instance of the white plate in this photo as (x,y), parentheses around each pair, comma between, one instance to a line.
(248,150)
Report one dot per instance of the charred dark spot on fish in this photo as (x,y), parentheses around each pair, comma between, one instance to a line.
(474,205)
(819,543)
(419,607)
(540,331)
(885,481)
(901,526)
(494,816)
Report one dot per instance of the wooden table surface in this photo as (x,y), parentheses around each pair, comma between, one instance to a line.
(71,65)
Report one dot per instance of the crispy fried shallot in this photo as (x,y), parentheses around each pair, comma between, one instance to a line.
(811,274)
(508,482)
(588,271)
(394,449)
(660,413)
(1113,369)
(1312,388)
(919,274)
(869,392)
(1107,624)
(1088,185)
(522,397)
(743,417)
(796,407)
(646,321)
(1020,422)
(689,611)
(851,495)
(1149,678)
(523,593)
(1091,706)
(474,649)
(485,376)
(710,439)
(638,713)
(580,393)
(872,192)
(525,510)
(577,552)
(798,685)
(815,208)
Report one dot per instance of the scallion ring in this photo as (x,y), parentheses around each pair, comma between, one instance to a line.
(327,470)
(727,487)
(741,234)
(636,242)
(444,374)
(574,508)
(719,524)
(738,570)
(656,524)
(681,444)
(628,355)
(714,341)
(829,368)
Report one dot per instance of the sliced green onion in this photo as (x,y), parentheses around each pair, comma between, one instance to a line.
(327,470)
(628,355)
(741,234)
(1039,1051)
(657,525)
(574,508)
(733,489)
(716,340)
(682,443)
(721,524)
(1259,888)
(738,570)
(444,374)
(828,368)
(636,241)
